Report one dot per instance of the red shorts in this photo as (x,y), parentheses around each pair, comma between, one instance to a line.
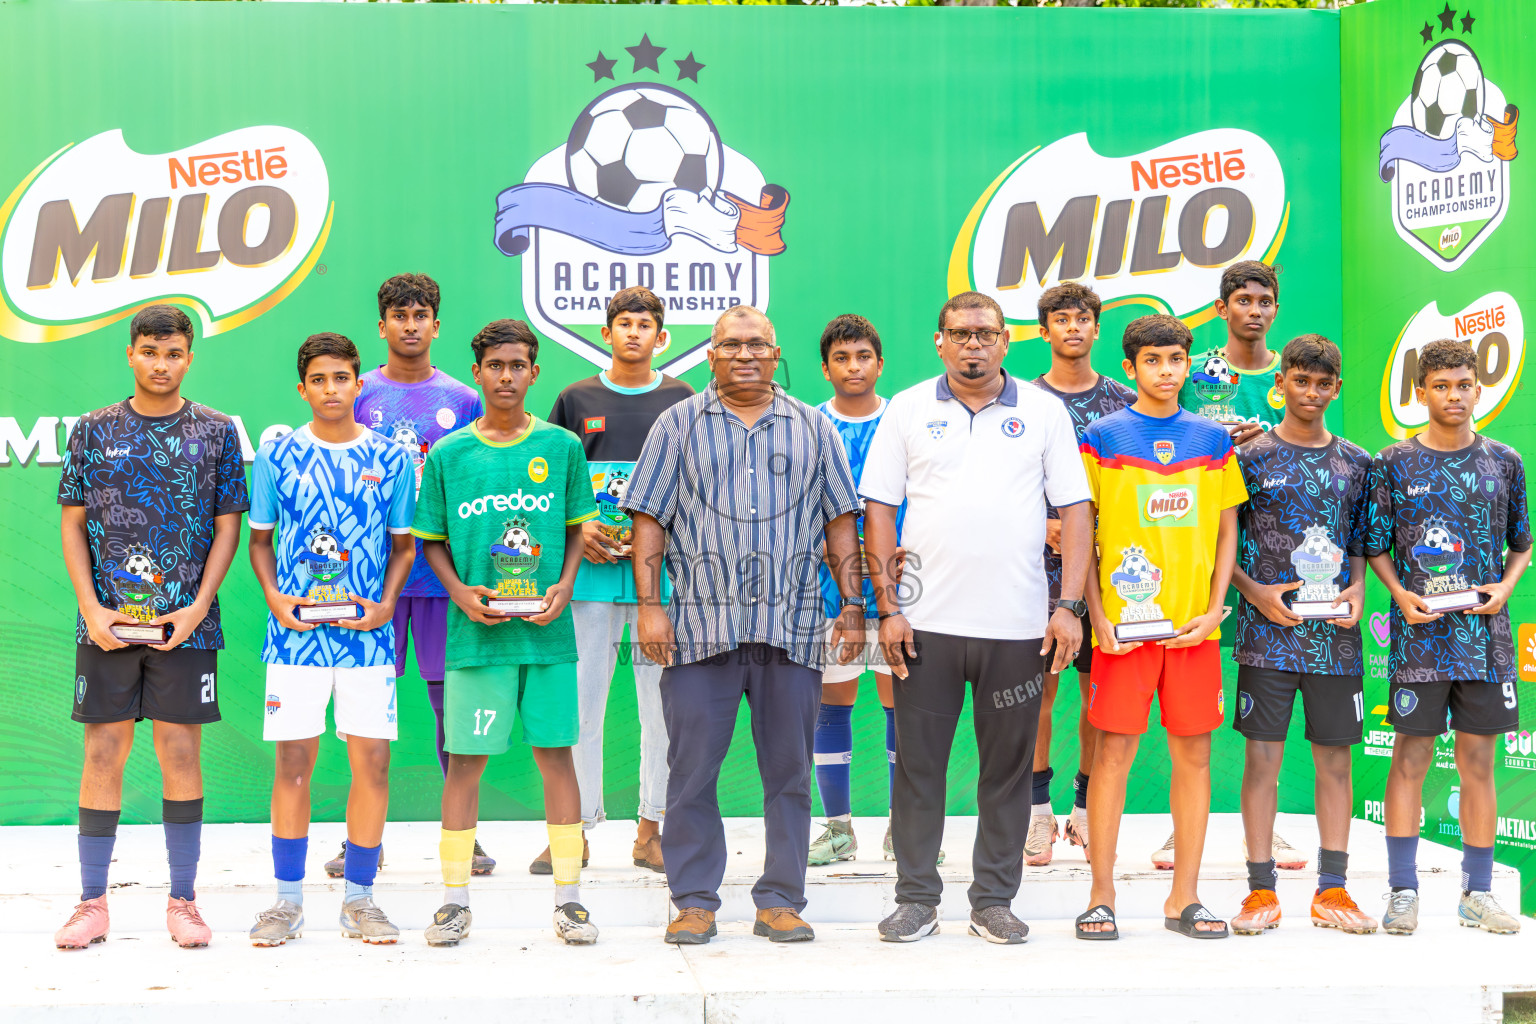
(1187,681)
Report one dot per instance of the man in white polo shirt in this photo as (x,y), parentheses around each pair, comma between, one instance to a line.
(965,451)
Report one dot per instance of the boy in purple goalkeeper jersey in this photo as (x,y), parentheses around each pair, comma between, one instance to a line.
(413,402)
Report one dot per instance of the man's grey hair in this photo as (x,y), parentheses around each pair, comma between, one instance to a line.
(738,312)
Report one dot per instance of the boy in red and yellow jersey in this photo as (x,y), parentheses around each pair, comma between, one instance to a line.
(1166,485)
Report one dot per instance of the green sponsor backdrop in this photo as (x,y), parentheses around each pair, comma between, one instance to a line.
(1388,280)
(884,126)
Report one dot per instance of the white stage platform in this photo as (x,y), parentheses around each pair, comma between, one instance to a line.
(513,968)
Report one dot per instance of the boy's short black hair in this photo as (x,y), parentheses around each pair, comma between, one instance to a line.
(406,290)
(1312,352)
(157,321)
(638,299)
(1155,331)
(1067,295)
(505,332)
(849,327)
(327,343)
(1445,354)
(1239,274)
(972,300)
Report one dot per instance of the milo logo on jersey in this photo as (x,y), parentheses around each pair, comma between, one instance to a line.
(1152,229)
(642,191)
(516,556)
(139,584)
(609,483)
(1138,582)
(1447,154)
(227,227)
(1162,505)
(324,564)
(1439,553)
(1318,561)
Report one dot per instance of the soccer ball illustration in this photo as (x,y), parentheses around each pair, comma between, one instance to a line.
(1317,545)
(617,485)
(517,538)
(636,142)
(1216,367)
(1448,86)
(139,564)
(1135,564)
(325,546)
(1438,537)
(406,435)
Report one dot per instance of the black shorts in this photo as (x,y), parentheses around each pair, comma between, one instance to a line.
(1334,706)
(1084,660)
(138,682)
(1478,707)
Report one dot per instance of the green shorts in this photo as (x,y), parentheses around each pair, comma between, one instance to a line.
(481,704)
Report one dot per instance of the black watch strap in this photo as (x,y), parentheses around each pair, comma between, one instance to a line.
(1078,607)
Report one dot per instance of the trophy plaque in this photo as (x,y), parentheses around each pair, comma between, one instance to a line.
(1454,600)
(142,632)
(1321,610)
(1146,629)
(327,611)
(515,607)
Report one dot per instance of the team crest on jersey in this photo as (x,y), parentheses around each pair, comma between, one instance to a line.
(194,449)
(1215,380)
(936,428)
(1439,553)
(1275,397)
(1163,450)
(1405,700)
(370,479)
(1318,561)
(273,703)
(1013,427)
(1138,582)
(517,553)
(79,689)
(140,584)
(1244,704)
(323,561)
(538,469)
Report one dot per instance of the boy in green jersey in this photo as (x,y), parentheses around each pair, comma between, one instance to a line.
(500,514)
(1234,384)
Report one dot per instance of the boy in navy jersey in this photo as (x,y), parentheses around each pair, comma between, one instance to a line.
(1069,323)
(1302,549)
(1445,505)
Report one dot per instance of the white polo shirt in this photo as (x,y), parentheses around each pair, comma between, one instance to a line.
(975,488)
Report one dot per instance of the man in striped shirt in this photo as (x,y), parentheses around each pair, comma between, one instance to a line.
(742,489)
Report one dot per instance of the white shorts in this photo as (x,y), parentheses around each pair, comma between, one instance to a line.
(297,696)
(873,657)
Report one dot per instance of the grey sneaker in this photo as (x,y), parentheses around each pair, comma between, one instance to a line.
(835,843)
(997,924)
(1402,915)
(889,852)
(909,922)
(362,919)
(574,925)
(1038,844)
(277,924)
(449,925)
(1481,910)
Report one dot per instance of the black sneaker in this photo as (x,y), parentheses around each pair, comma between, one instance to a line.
(909,922)
(997,924)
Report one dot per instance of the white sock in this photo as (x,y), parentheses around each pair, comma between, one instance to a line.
(1043,810)
(567,894)
(846,819)
(456,894)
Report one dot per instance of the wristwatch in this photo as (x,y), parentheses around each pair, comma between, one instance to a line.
(850,602)
(1078,607)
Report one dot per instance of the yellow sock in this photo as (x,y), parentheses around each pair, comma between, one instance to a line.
(565,856)
(456,850)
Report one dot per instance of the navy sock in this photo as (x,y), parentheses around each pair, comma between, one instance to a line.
(362,865)
(1080,791)
(890,753)
(288,857)
(1476,868)
(98,834)
(1042,787)
(833,753)
(1332,866)
(183,844)
(1261,875)
(435,698)
(1403,862)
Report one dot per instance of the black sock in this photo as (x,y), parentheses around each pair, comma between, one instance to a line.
(1261,875)
(1080,790)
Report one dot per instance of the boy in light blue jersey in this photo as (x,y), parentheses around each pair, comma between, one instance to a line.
(330,538)
(851,360)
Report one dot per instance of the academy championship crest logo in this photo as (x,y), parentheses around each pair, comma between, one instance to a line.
(609,488)
(517,553)
(1153,229)
(1215,380)
(139,581)
(227,227)
(323,560)
(643,191)
(1446,156)
(1439,552)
